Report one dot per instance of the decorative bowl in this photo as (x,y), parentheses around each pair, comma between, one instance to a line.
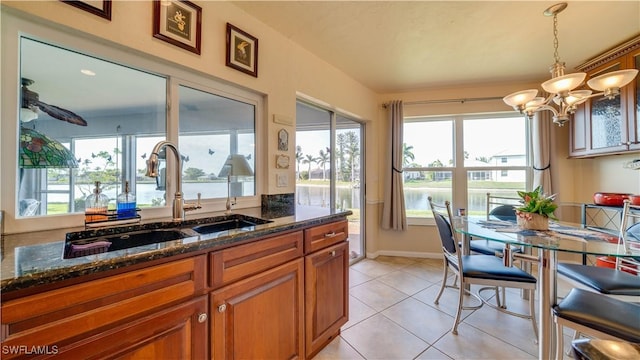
(610,199)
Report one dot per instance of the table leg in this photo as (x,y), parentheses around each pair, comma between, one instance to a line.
(526,266)
(466,251)
(547,294)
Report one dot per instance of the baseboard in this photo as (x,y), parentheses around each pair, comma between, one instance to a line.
(409,254)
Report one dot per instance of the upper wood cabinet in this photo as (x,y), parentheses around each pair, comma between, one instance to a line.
(604,126)
(633,105)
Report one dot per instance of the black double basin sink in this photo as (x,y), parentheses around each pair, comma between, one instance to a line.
(229,225)
(155,235)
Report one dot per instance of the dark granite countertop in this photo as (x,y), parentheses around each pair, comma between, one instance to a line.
(32,259)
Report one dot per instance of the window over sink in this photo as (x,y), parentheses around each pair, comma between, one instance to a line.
(104,109)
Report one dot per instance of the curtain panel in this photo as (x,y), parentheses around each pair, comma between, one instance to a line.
(541,126)
(393,210)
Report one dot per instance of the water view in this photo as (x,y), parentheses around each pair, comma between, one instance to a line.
(347,197)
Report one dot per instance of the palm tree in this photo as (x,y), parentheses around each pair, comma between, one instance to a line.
(353,152)
(407,154)
(309,159)
(299,159)
(322,160)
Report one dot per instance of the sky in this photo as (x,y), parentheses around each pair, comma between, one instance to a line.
(434,140)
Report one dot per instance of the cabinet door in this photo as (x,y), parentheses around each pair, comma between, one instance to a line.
(260,317)
(326,295)
(579,133)
(608,117)
(633,106)
(179,332)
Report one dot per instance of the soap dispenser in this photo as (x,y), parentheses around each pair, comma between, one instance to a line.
(126,203)
(96,205)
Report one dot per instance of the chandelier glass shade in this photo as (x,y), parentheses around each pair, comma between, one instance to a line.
(563,99)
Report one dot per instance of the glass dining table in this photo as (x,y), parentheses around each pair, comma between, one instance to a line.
(543,248)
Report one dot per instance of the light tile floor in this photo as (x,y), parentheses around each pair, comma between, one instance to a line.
(392,316)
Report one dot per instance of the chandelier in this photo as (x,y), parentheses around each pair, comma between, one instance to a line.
(563,100)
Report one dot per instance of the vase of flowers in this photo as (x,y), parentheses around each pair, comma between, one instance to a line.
(536,210)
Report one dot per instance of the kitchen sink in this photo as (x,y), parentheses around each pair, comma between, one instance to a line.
(230,225)
(85,243)
(97,245)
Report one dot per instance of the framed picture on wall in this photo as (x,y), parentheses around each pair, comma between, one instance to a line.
(283,140)
(101,8)
(242,51)
(179,23)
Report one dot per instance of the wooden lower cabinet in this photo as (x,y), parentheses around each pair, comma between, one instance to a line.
(260,317)
(112,314)
(281,297)
(179,332)
(326,295)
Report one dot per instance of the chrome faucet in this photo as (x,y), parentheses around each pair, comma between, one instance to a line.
(179,205)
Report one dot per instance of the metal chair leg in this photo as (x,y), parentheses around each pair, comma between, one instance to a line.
(532,311)
(559,342)
(445,272)
(454,331)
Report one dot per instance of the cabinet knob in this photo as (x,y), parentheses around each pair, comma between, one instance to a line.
(330,235)
(222,308)
(333,253)
(202,318)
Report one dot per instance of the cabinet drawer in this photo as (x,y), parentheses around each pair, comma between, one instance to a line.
(321,236)
(56,317)
(241,261)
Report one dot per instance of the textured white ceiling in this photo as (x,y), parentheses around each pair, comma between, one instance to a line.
(394,46)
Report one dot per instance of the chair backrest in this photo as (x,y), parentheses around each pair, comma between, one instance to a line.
(502,207)
(443,218)
(630,239)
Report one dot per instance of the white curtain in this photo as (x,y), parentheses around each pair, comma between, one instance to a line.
(541,126)
(393,211)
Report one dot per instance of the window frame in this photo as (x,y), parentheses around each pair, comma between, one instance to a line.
(459,188)
(15,27)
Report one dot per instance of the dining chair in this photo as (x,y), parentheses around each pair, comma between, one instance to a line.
(622,281)
(596,315)
(500,208)
(478,269)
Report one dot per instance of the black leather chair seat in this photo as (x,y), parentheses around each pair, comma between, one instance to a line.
(488,247)
(604,280)
(504,213)
(602,313)
(491,267)
(597,349)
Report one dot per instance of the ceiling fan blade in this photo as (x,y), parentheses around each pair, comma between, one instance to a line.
(61,114)
(28,97)
(30,100)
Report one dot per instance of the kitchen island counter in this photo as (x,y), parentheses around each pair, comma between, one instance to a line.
(34,259)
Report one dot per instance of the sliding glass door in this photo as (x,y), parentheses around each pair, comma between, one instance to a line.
(330,166)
